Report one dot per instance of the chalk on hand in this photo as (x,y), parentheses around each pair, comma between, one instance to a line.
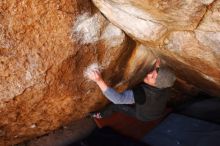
(91,68)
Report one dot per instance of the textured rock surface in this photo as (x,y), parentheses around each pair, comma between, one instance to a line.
(185,33)
(45,46)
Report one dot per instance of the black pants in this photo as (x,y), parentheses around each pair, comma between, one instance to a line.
(128,110)
(125,109)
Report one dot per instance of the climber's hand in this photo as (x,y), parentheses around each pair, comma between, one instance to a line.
(95,76)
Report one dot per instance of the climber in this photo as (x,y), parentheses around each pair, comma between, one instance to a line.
(149,98)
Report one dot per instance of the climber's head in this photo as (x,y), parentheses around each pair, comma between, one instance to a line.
(151,77)
(160,77)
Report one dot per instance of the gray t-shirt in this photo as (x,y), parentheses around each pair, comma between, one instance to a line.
(150,102)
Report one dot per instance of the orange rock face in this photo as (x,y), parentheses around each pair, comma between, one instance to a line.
(45,47)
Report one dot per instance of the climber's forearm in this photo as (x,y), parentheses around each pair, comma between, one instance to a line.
(102,85)
(125,97)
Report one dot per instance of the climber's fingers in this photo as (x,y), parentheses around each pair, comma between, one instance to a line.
(91,75)
(94,75)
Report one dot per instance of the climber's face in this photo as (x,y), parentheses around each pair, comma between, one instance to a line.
(151,77)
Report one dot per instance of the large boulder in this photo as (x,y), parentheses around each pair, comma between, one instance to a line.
(45,48)
(185,33)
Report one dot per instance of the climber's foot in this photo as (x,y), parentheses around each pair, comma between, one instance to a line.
(96,115)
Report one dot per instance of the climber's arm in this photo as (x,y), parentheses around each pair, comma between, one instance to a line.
(102,85)
(126,97)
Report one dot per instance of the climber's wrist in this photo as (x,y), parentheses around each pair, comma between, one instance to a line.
(102,85)
(99,80)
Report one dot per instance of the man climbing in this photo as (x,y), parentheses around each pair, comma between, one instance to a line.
(149,98)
